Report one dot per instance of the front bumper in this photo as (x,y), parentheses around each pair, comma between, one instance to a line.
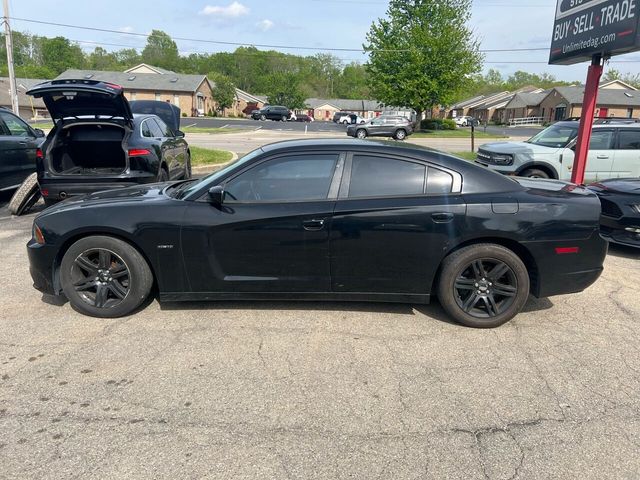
(503,169)
(41,267)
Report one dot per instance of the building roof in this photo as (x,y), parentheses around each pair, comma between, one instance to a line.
(606,96)
(617,84)
(22,84)
(247,97)
(468,101)
(494,101)
(144,66)
(171,82)
(344,104)
(527,99)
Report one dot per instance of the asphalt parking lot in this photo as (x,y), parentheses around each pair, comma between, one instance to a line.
(318,390)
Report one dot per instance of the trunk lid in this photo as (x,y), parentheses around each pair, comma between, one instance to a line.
(169,113)
(81,98)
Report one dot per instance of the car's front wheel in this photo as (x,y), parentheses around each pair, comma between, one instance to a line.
(361,133)
(283,118)
(534,173)
(483,285)
(105,277)
(263,117)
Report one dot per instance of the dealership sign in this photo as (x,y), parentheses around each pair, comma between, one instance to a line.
(584,28)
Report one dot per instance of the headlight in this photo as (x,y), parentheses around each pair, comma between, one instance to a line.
(501,159)
(37,234)
(636,208)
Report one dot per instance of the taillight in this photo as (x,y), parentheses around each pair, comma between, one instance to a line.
(138,152)
(39,153)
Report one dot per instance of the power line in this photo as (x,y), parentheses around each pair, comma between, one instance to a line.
(237,44)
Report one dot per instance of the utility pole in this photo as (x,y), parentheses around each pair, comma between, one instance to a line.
(13,92)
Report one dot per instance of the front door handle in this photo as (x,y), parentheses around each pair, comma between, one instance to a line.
(442,217)
(314,224)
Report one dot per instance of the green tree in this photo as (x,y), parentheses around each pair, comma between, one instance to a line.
(127,58)
(422,54)
(284,89)
(224,91)
(353,82)
(59,54)
(161,51)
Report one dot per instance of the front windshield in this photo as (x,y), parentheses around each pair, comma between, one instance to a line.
(557,136)
(212,179)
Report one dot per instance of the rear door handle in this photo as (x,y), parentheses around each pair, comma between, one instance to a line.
(442,217)
(602,156)
(314,224)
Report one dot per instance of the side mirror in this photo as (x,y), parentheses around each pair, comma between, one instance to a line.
(216,195)
(39,133)
(179,134)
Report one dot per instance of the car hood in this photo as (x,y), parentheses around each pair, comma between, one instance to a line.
(133,195)
(517,147)
(618,185)
(79,98)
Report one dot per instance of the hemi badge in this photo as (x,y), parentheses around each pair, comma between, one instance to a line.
(565,250)
(165,246)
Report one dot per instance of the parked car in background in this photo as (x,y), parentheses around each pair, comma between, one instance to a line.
(338,116)
(272,112)
(614,151)
(351,119)
(101,141)
(302,117)
(465,121)
(397,127)
(326,220)
(19,148)
(620,202)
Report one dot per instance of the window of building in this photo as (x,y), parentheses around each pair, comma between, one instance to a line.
(157,97)
(629,112)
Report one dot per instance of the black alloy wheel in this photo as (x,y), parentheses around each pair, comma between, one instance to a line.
(486,288)
(105,277)
(483,285)
(101,278)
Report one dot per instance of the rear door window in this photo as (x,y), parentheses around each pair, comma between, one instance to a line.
(601,140)
(629,140)
(385,177)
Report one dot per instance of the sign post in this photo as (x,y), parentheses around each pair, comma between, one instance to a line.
(592,30)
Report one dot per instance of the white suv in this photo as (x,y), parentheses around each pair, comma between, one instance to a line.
(614,152)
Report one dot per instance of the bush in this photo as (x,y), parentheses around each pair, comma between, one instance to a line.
(184,114)
(438,124)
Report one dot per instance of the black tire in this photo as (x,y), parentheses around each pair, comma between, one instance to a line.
(163,175)
(476,295)
(400,134)
(104,277)
(263,117)
(361,133)
(25,196)
(534,173)
(187,167)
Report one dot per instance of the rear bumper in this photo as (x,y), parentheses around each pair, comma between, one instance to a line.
(59,188)
(559,274)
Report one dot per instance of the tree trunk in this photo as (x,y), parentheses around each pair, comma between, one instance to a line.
(416,125)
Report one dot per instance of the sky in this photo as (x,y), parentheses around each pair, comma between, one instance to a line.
(315,25)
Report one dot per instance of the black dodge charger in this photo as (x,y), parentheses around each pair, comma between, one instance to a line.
(326,219)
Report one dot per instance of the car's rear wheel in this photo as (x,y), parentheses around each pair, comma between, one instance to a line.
(263,117)
(361,133)
(105,277)
(400,134)
(534,173)
(483,285)
(283,118)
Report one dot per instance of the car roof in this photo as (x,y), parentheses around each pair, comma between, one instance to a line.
(603,123)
